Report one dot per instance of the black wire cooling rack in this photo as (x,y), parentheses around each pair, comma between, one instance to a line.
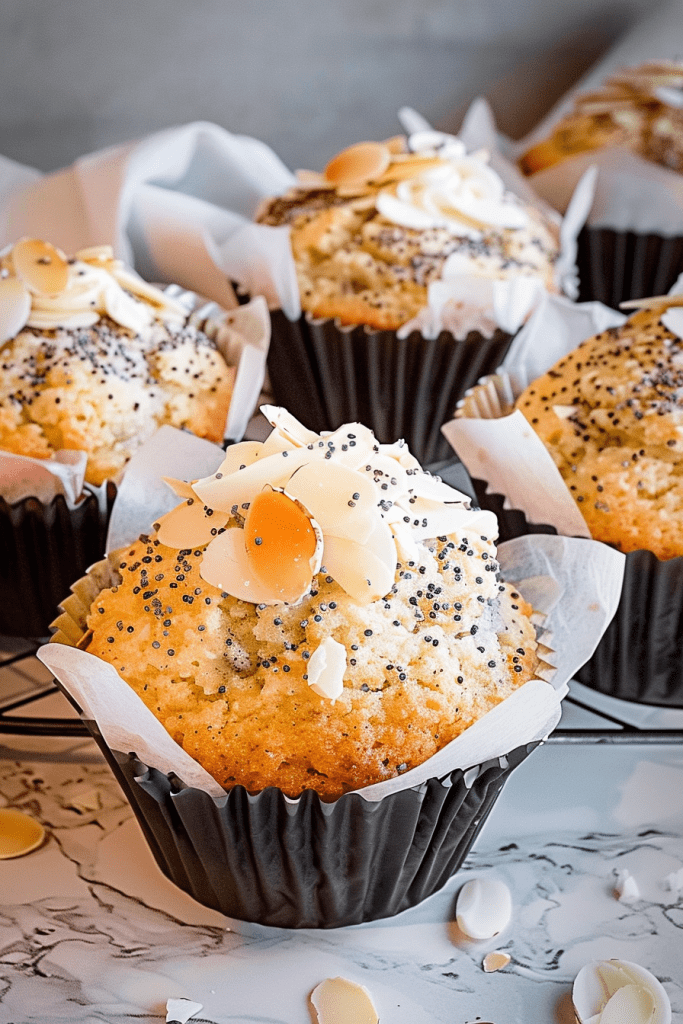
(613,727)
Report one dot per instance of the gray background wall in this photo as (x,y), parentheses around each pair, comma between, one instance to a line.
(307,76)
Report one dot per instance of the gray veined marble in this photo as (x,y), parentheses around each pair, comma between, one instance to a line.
(90,931)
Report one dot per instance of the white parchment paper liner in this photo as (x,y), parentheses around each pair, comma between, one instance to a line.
(179,205)
(632,194)
(498,445)
(241,334)
(576,606)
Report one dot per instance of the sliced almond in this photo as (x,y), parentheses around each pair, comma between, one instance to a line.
(43,268)
(15,307)
(359,163)
(340,1001)
(396,144)
(19,833)
(51,321)
(407,169)
(495,961)
(95,254)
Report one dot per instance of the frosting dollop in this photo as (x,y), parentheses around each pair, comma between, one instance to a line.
(462,194)
(41,288)
(278,512)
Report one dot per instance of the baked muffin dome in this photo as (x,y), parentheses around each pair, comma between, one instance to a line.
(362,675)
(636,108)
(611,415)
(94,359)
(386,219)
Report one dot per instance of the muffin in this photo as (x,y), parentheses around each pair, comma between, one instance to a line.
(636,108)
(625,255)
(316,618)
(93,361)
(609,415)
(336,615)
(399,248)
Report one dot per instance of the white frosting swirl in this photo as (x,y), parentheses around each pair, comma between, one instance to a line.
(463,195)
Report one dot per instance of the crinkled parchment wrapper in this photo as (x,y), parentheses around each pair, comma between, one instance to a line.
(549,571)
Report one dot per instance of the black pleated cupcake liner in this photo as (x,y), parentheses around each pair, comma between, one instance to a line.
(326,374)
(615,266)
(309,864)
(640,656)
(44,548)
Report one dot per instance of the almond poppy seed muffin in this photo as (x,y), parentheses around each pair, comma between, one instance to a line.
(351,680)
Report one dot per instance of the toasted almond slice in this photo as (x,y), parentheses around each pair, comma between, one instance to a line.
(340,1001)
(408,169)
(495,961)
(43,269)
(15,307)
(81,295)
(312,179)
(190,525)
(284,544)
(51,321)
(396,145)
(358,163)
(652,302)
(95,254)
(19,833)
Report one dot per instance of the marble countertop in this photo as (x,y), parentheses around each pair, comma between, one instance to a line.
(90,931)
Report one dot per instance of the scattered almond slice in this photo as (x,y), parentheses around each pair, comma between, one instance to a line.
(179,1011)
(359,163)
(564,412)
(483,908)
(180,487)
(495,961)
(190,525)
(19,833)
(340,1001)
(43,268)
(616,992)
(15,307)
(326,669)
(626,888)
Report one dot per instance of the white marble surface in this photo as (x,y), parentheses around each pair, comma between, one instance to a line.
(90,931)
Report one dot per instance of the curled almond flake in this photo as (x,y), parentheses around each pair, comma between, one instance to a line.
(652,302)
(43,268)
(46,321)
(495,961)
(359,163)
(190,525)
(180,487)
(340,1001)
(15,307)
